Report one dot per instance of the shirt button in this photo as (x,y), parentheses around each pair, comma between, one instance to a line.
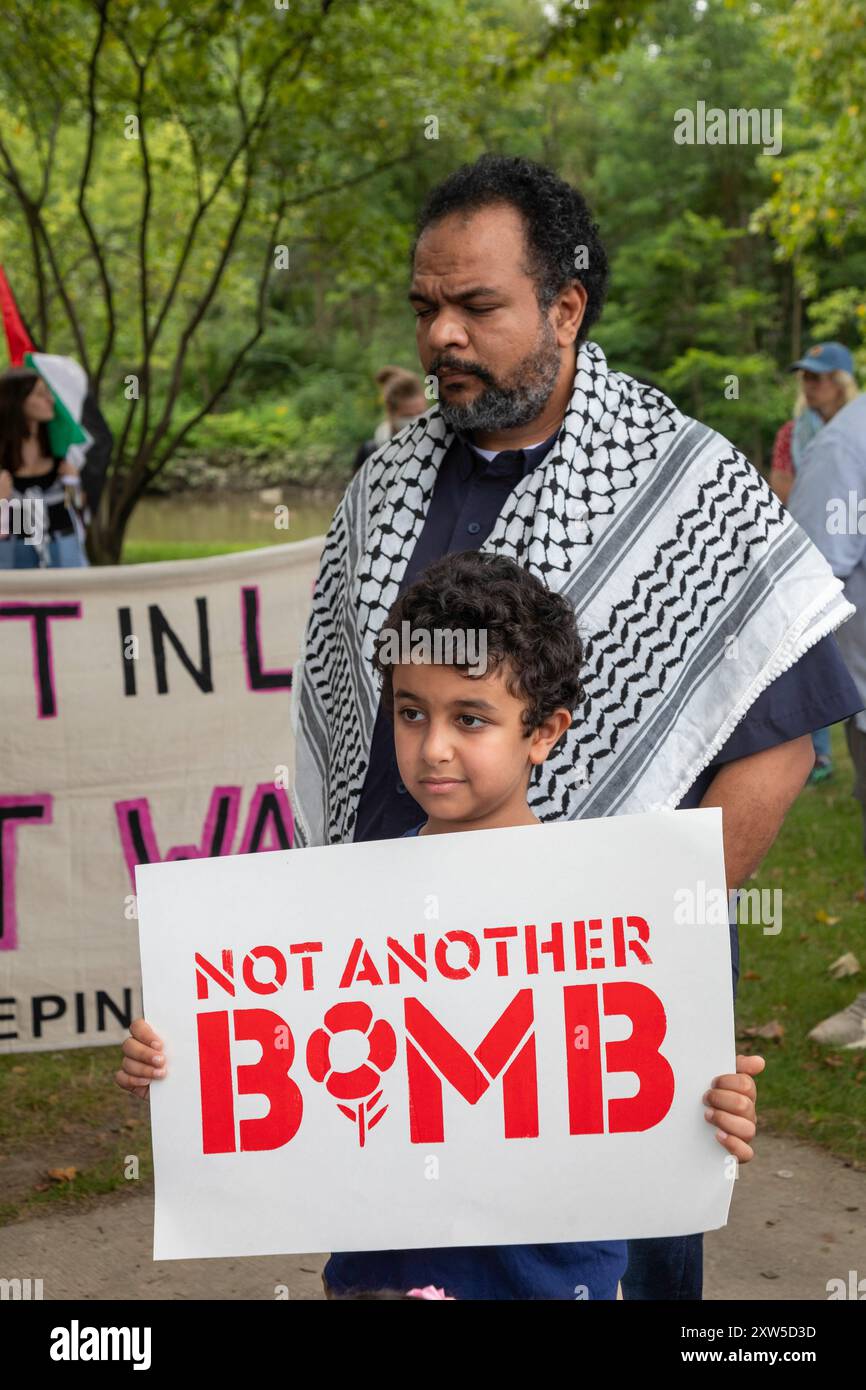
(401,790)
(473,528)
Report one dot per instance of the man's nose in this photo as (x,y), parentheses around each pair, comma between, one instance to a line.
(445,330)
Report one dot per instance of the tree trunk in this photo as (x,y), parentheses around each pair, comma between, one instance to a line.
(796,318)
(107,530)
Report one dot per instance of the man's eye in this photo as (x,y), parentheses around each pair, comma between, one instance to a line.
(489,309)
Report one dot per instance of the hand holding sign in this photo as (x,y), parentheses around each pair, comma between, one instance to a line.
(143,1059)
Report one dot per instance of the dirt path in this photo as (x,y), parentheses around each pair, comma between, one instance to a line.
(787,1237)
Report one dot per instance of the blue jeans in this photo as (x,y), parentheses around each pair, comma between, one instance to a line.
(672,1267)
(64,552)
(821,743)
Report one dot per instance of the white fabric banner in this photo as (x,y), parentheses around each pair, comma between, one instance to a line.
(145,716)
(467,1039)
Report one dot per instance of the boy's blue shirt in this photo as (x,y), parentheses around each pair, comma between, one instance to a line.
(577,1270)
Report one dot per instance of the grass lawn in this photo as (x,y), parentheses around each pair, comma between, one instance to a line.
(817,862)
(146,552)
(61,1110)
(61,1113)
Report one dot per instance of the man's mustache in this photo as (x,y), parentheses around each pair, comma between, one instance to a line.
(467,371)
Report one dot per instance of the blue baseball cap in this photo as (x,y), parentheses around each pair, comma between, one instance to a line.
(825,357)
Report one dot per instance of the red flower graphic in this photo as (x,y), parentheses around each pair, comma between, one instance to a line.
(362,1083)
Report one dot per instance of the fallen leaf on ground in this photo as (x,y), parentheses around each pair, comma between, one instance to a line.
(821,916)
(774,1031)
(62,1174)
(844,966)
(752,975)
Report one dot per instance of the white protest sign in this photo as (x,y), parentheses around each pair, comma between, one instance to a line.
(493,1037)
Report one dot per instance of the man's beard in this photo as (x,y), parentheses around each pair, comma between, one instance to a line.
(506,407)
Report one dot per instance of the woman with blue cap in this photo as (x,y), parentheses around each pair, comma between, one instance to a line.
(826,383)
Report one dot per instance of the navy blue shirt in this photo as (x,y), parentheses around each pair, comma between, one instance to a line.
(469,494)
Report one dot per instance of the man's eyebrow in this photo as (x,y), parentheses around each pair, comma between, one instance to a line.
(403,694)
(460,298)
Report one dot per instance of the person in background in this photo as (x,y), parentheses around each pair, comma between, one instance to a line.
(40,526)
(404,402)
(383,377)
(829,500)
(825,384)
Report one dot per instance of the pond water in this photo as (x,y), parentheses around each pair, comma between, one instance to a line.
(235,516)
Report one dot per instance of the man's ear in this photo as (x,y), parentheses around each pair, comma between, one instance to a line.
(571,308)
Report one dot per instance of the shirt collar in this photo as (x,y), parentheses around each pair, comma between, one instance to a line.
(532,456)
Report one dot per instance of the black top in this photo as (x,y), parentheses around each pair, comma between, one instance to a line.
(58,521)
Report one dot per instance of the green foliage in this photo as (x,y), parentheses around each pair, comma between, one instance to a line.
(813,1092)
(818,202)
(725,261)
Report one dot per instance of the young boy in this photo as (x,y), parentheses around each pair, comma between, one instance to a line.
(467,738)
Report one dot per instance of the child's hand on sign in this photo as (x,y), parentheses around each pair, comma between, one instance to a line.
(734,1099)
(143,1059)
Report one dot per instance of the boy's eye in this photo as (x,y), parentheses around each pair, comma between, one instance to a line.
(475,721)
(407,713)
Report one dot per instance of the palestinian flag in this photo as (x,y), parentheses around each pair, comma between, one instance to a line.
(86,444)
(67,382)
(17,336)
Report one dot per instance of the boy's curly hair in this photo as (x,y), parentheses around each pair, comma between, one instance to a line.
(527,626)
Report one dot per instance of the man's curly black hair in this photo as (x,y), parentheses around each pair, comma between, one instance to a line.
(556,217)
(527,625)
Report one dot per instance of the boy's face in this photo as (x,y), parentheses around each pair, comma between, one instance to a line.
(462,746)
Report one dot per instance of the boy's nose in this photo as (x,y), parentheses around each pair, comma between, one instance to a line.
(437,747)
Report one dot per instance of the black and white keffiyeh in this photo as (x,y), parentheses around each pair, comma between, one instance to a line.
(693,590)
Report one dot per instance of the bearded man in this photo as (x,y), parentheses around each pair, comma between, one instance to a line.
(706,613)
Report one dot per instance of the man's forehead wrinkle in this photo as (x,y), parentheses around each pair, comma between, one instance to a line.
(453,288)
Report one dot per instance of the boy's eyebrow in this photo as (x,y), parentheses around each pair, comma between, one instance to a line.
(454,298)
(464,704)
